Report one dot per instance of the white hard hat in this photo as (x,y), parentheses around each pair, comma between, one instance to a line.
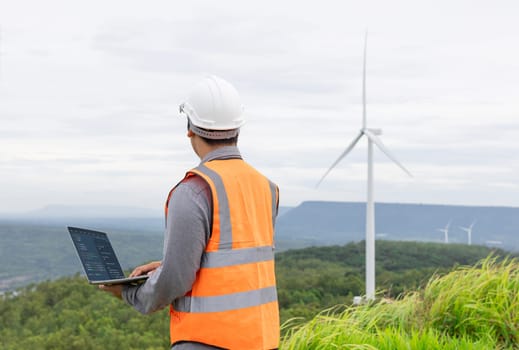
(214,104)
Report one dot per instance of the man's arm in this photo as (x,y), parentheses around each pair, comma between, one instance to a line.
(187,229)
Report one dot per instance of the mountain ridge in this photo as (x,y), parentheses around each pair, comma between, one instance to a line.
(324,222)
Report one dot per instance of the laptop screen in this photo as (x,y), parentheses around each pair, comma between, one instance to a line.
(96,254)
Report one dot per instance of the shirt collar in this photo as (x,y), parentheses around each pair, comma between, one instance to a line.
(225,152)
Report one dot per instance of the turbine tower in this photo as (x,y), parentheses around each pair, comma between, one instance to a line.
(372,137)
(469,231)
(445,231)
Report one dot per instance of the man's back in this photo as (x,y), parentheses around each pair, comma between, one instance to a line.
(233,302)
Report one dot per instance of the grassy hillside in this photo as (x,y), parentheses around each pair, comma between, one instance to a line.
(469,308)
(70,314)
(312,279)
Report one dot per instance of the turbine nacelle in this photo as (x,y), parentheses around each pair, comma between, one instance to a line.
(376,132)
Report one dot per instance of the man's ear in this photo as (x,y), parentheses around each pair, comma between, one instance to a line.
(190,134)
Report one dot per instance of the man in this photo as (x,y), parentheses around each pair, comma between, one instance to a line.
(217,273)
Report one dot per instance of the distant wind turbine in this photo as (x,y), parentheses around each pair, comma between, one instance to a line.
(371,135)
(469,231)
(445,231)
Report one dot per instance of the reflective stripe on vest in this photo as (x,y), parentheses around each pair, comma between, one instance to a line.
(223,207)
(226,302)
(274,191)
(237,257)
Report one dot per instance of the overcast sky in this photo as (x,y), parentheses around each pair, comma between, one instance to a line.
(89,95)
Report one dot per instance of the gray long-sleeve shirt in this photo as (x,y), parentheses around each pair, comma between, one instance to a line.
(188,227)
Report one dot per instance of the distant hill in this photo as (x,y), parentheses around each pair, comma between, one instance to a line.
(32,251)
(324,223)
(283,210)
(40,245)
(129,219)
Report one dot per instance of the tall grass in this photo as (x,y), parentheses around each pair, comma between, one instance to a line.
(470,308)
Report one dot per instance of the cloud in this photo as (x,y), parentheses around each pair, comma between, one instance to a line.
(91,95)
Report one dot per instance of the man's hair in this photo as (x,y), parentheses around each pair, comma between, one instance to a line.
(223,142)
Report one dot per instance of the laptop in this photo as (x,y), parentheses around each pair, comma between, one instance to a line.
(98,258)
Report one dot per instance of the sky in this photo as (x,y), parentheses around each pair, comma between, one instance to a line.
(89,95)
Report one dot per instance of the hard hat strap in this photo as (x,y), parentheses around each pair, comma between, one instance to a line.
(213,134)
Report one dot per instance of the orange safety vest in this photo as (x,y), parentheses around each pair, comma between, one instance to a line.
(233,301)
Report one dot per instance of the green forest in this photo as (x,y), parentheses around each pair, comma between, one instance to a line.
(70,314)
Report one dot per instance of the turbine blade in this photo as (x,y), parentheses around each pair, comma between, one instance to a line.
(385,150)
(346,151)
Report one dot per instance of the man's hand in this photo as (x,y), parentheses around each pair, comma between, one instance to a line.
(115,289)
(145,269)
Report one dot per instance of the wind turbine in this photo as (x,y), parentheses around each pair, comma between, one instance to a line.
(372,136)
(445,231)
(469,231)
